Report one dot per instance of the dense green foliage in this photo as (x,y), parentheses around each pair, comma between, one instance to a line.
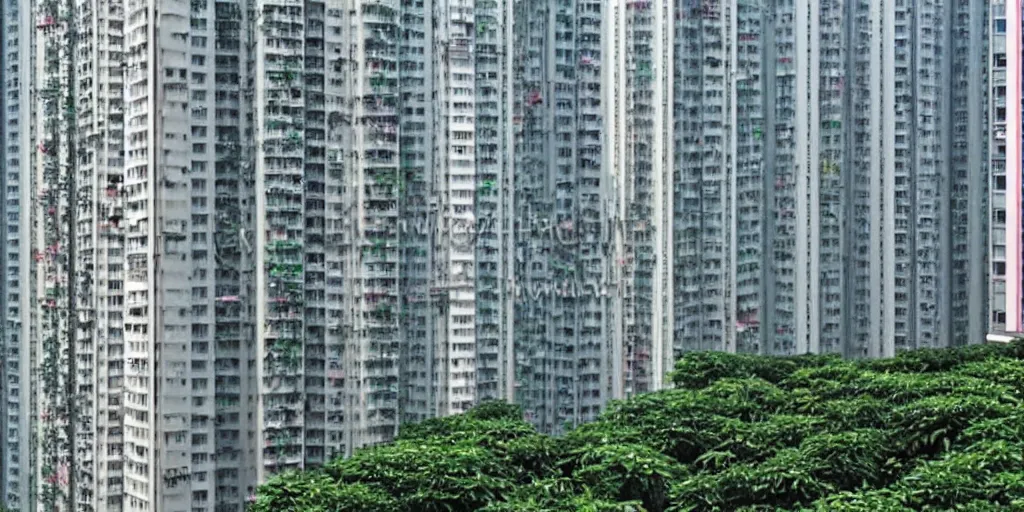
(927,430)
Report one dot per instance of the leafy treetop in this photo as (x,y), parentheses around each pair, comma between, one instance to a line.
(927,430)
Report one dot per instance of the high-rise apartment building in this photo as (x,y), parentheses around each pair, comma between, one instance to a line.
(720,160)
(754,184)
(558,340)
(853,227)
(76,247)
(1005,231)
(245,237)
(16,105)
(494,238)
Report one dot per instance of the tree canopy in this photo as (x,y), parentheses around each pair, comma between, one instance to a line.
(927,430)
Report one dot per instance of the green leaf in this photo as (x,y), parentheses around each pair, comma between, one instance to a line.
(927,430)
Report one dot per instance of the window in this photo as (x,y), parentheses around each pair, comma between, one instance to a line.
(1000,182)
(1000,26)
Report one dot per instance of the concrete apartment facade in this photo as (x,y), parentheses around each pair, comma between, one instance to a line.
(1005,294)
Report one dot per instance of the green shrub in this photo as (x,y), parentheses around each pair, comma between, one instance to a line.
(998,371)
(989,472)
(850,459)
(496,410)
(747,399)
(740,442)
(931,360)
(600,433)
(532,457)
(457,427)
(698,370)
(816,379)
(845,413)
(1008,428)
(874,500)
(318,492)
(925,431)
(559,495)
(930,425)
(627,472)
(784,480)
(430,477)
